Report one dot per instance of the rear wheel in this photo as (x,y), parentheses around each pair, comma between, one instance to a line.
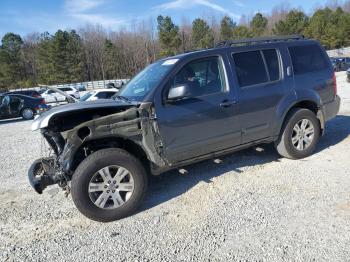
(27,113)
(300,134)
(108,185)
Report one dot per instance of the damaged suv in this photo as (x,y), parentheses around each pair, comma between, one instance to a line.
(185,109)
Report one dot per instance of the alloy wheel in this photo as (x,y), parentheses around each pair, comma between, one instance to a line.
(111,187)
(28,113)
(303,134)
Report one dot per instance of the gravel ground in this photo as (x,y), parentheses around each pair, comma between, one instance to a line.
(252,205)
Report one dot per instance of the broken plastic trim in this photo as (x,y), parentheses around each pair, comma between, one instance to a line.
(134,124)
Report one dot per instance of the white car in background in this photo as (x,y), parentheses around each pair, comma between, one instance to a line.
(99,94)
(51,96)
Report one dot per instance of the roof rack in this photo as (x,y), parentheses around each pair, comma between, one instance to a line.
(252,41)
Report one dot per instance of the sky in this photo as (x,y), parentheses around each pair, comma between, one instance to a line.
(26,16)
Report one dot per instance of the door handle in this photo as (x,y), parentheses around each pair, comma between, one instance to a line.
(227,103)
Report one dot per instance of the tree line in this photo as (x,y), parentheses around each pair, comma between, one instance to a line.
(92,53)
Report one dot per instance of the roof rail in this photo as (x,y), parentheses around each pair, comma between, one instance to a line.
(252,41)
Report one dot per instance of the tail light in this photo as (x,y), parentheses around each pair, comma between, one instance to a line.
(42,101)
(334,84)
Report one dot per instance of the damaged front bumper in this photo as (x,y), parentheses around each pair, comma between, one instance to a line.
(43,173)
(70,147)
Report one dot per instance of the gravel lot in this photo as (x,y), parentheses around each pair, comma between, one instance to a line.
(252,205)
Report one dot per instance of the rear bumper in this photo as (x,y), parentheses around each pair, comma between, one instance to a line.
(331,109)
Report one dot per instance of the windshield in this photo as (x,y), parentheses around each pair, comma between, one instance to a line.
(140,86)
(86,96)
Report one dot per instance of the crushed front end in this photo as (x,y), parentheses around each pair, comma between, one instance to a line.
(73,134)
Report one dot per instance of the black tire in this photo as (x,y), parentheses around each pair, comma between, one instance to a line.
(284,145)
(95,162)
(27,113)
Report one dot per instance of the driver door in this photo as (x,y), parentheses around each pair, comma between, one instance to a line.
(206,120)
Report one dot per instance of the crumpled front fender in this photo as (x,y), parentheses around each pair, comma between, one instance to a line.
(123,124)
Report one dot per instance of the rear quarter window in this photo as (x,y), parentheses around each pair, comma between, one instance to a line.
(307,58)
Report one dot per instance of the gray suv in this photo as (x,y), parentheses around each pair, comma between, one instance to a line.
(185,109)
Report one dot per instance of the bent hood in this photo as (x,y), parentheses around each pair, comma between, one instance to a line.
(43,120)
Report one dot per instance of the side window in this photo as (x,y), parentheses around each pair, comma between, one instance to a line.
(102,95)
(307,58)
(271,59)
(110,94)
(203,77)
(250,68)
(257,67)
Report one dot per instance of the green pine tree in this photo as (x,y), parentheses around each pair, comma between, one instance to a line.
(258,24)
(241,31)
(294,23)
(202,36)
(12,70)
(226,28)
(168,34)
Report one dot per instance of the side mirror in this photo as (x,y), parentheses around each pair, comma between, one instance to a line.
(178,92)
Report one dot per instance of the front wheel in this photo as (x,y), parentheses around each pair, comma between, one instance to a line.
(109,185)
(300,134)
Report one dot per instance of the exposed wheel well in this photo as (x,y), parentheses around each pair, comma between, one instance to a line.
(92,146)
(307,104)
(312,106)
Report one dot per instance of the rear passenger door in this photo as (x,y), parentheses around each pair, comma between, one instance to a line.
(260,89)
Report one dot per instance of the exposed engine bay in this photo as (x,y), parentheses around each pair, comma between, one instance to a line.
(77,131)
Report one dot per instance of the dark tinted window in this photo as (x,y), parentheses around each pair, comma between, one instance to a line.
(250,68)
(66,89)
(110,94)
(307,58)
(101,95)
(104,95)
(273,67)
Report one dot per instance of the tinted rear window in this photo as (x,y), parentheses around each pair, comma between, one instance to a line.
(308,58)
(272,64)
(250,68)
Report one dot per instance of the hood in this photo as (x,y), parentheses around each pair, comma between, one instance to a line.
(43,120)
